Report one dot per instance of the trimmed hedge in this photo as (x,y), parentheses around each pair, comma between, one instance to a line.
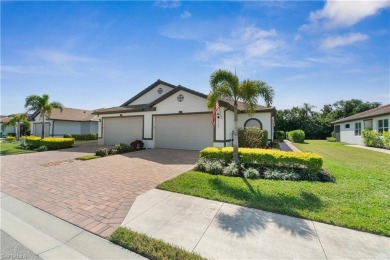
(82,137)
(252,137)
(331,139)
(296,136)
(266,158)
(386,139)
(51,143)
(279,135)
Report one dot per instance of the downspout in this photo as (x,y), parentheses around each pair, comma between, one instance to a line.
(52,131)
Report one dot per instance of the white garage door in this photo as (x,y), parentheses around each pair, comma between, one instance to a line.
(190,132)
(37,129)
(122,130)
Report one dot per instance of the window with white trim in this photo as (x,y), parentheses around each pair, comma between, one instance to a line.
(358,128)
(383,125)
(346,125)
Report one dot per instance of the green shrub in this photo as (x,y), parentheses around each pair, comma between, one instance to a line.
(122,148)
(373,138)
(266,158)
(41,148)
(201,165)
(233,169)
(252,137)
(51,143)
(84,137)
(137,144)
(386,139)
(296,136)
(101,152)
(331,139)
(225,153)
(214,167)
(251,173)
(68,136)
(281,174)
(279,135)
(10,138)
(112,151)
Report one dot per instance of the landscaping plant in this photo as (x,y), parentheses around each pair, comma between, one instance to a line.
(296,136)
(225,84)
(252,137)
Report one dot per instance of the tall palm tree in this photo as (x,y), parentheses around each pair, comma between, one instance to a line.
(225,84)
(16,121)
(41,104)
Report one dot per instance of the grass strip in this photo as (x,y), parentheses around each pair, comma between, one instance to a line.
(87,157)
(150,247)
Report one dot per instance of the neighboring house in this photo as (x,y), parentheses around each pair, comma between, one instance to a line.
(168,116)
(8,129)
(349,129)
(69,121)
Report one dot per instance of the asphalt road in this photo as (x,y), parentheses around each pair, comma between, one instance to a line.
(12,249)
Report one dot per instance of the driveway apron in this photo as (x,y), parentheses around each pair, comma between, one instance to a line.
(95,195)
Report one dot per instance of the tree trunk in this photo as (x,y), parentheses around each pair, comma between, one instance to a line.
(235,135)
(43,126)
(18,133)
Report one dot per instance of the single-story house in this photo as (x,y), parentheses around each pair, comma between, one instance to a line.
(8,129)
(349,129)
(69,121)
(168,116)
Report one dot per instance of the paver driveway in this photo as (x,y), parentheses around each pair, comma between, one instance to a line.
(95,195)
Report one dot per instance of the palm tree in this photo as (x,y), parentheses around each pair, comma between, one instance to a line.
(16,121)
(225,84)
(41,104)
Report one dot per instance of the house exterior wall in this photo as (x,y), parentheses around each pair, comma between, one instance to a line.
(7,130)
(190,105)
(93,127)
(347,135)
(151,95)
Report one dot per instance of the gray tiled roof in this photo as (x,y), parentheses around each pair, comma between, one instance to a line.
(379,111)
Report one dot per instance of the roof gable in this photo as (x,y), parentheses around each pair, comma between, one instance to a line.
(147,90)
(379,111)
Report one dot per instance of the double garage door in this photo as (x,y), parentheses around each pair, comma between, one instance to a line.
(190,132)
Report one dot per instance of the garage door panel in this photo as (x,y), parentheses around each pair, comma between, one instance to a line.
(38,129)
(122,130)
(191,132)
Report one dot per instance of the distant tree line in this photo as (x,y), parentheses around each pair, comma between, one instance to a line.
(317,125)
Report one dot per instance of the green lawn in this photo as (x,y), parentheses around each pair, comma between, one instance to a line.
(11,148)
(359,199)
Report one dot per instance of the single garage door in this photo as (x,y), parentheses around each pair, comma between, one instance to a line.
(190,132)
(37,129)
(122,130)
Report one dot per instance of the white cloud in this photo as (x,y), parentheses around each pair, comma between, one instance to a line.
(345,13)
(60,57)
(165,4)
(337,41)
(250,42)
(185,15)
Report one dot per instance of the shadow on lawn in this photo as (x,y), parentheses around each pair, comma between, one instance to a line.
(245,221)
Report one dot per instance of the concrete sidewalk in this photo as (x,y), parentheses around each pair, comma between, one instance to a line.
(49,237)
(288,146)
(219,230)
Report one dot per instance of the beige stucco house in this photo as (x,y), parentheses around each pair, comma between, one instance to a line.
(168,116)
(69,121)
(349,129)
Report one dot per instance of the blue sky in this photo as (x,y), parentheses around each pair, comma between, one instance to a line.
(99,54)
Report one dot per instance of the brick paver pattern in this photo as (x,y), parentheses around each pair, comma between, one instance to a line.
(95,195)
